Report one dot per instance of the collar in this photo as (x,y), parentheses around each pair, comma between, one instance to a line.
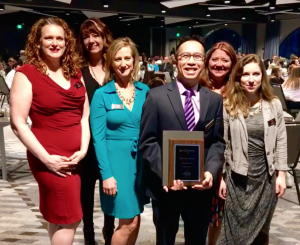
(111,88)
(182,89)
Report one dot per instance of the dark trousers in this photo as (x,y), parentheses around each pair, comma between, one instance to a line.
(195,209)
(89,176)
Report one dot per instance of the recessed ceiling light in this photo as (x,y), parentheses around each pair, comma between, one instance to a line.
(161,26)
(105,6)
(120,17)
(272,20)
(226,24)
(190,27)
(162,20)
(244,18)
(208,15)
(197,22)
(272,7)
(163,11)
(226,2)
(128,24)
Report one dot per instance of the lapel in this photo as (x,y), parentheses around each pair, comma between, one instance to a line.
(266,111)
(242,121)
(204,103)
(174,97)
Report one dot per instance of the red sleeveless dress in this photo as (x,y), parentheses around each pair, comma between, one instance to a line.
(56,114)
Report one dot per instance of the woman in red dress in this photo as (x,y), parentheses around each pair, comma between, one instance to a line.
(49,89)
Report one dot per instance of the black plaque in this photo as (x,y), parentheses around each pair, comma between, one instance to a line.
(187,162)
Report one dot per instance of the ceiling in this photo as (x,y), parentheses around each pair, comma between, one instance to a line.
(192,13)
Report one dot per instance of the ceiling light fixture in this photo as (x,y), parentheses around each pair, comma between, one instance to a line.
(67,12)
(120,17)
(190,27)
(243,18)
(272,18)
(163,9)
(226,2)
(105,4)
(207,11)
(128,24)
(1,7)
(226,24)
(272,4)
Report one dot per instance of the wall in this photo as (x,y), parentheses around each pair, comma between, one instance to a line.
(287,27)
(171,34)
(260,39)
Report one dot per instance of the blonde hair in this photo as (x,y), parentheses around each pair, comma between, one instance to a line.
(115,46)
(236,99)
(293,81)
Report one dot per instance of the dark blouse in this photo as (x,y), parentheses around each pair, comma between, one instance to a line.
(91,84)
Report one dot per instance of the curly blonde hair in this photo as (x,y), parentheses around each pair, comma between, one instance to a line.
(69,59)
(93,25)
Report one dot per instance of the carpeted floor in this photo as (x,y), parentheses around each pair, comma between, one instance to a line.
(21,222)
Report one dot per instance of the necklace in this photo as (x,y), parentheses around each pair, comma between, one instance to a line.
(129,100)
(258,110)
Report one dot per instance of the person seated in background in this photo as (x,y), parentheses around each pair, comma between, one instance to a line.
(291,67)
(10,63)
(291,89)
(10,76)
(293,57)
(156,82)
(167,67)
(276,76)
(276,61)
(2,71)
(152,66)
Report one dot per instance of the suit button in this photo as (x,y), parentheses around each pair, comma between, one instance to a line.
(268,153)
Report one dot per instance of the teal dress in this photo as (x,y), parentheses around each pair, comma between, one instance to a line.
(115,132)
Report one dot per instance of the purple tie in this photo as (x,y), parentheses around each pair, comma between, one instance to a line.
(189,110)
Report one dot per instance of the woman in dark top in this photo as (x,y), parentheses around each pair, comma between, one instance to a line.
(275,77)
(93,42)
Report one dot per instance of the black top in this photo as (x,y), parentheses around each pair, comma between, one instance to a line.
(90,163)
(275,80)
(91,84)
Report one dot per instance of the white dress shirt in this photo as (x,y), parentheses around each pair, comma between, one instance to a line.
(10,77)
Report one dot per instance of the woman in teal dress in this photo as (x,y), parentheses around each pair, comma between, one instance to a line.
(116,111)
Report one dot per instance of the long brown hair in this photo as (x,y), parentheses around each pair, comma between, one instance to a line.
(274,72)
(111,53)
(293,81)
(93,25)
(236,99)
(32,51)
(229,50)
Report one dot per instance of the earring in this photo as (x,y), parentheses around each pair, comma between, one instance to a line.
(38,46)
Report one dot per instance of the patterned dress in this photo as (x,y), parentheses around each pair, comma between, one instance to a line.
(250,200)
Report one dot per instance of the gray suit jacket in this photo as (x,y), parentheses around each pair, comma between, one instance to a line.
(236,137)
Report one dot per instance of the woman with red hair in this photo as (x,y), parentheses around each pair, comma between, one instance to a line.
(49,90)
(219,63)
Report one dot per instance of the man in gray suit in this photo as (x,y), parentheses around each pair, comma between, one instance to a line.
(186,106)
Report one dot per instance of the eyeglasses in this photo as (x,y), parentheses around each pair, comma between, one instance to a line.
(187,56)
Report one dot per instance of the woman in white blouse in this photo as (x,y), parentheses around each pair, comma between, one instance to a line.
(291,89)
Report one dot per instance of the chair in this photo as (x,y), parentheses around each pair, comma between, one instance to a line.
(293,151)
(4,91)
(279,93)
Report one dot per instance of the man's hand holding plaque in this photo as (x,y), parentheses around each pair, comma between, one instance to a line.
(206,183)
(177,186)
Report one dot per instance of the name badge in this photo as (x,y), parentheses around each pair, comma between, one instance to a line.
(117,107)
(78,85)
(272,122)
